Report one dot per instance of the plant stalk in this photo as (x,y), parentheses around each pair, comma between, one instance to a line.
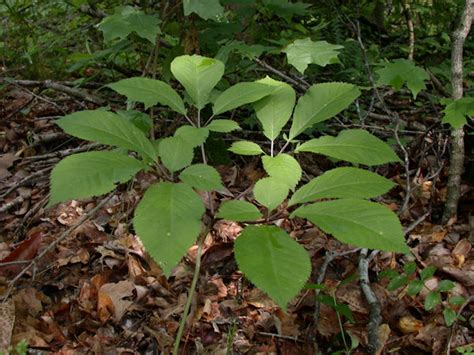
(187,306)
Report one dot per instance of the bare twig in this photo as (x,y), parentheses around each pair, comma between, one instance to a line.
(273,335)
(457,134)
(47,137)
(328,258)
(28,217)
(375,317)
(437,84)
(406,159)
(300,84)
(25,180)
(63,153)
(16,201)
(392,115)
(417,222)
(21,107)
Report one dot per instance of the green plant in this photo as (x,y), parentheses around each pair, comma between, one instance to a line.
(466,349)
(400,72)
(21,348)
(413,285)
(169,217)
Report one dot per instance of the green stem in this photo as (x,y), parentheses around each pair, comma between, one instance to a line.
(187,306)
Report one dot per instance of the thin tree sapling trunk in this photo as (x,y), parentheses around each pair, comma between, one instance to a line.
(457,134)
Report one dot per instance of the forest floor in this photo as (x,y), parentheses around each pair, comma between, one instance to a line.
(93,289)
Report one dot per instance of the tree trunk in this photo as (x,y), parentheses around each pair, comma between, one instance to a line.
(457,135)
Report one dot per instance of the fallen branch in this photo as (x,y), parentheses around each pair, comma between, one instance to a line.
(417,222)
(375,317)
(16,201)
(48,137)
(328,258)
(49,84)
(286,337)
(25,180)
(63,153)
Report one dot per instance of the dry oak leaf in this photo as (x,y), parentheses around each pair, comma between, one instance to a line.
(6,161)
(25,250)
(111,301)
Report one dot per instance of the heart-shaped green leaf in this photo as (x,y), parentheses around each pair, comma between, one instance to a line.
(274,110)
(198,75)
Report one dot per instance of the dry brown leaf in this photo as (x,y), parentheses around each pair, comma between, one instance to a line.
(33,337)
(260,299)
(25,250)
(409,325)
(465,275)
(384,335)
(111,301)
(288,324)
(438,236)
(352,295)
(6,161)
(80,256)
(429,284)
(28,301)
(461,252)
(328,324)
(135,268)
(88,297)
(52,328)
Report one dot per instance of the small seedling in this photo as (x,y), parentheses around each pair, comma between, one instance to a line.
(413,285)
